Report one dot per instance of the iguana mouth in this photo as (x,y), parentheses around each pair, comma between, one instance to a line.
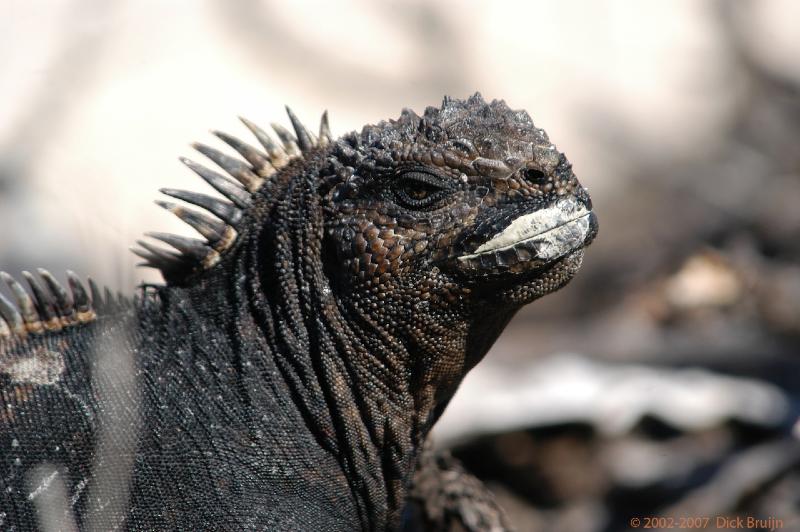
(535,239)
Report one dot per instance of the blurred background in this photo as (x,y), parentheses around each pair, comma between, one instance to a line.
(662,381)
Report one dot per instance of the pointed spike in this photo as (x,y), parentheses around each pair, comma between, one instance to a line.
(325,137)
(152,260)
(213,230)
(276,154)
(166,267)
(303,137)
(259,161)
(195,249)
(24,302)
(97,298)
(80,297)
(223,210)
(10,315)
(239,196)
(164,256)
(108,297)
(288,140)
(149,257)
(236,168)
(44,303)
(63,304)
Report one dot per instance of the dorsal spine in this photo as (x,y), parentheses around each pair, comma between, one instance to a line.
(220,229)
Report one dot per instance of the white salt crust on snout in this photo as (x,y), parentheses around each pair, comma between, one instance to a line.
(554,231)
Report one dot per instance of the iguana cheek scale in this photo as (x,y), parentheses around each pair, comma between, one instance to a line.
(287,374)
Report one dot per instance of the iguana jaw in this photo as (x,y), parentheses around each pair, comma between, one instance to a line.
(533,240)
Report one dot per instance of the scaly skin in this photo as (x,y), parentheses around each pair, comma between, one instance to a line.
(287,375)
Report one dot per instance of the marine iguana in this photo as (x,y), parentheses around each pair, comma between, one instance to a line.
(287,374)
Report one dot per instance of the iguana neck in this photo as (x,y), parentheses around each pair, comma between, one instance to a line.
(368,385)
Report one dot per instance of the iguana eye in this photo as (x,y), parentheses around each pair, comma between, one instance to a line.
(418,190)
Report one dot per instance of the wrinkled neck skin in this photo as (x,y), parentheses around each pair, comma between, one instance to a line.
(368,380)
(371,383)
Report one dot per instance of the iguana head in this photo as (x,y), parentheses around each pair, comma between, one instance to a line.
(468,203)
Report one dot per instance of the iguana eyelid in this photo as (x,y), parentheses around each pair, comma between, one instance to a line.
(425,176)
(426,179)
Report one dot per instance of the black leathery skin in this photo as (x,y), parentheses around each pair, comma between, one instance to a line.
(292,383)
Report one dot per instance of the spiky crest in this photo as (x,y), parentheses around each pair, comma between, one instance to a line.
(219,231)
(48,306)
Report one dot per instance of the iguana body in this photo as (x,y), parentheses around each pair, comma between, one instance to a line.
(287,375)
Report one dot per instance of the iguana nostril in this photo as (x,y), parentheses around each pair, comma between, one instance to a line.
(534,176)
